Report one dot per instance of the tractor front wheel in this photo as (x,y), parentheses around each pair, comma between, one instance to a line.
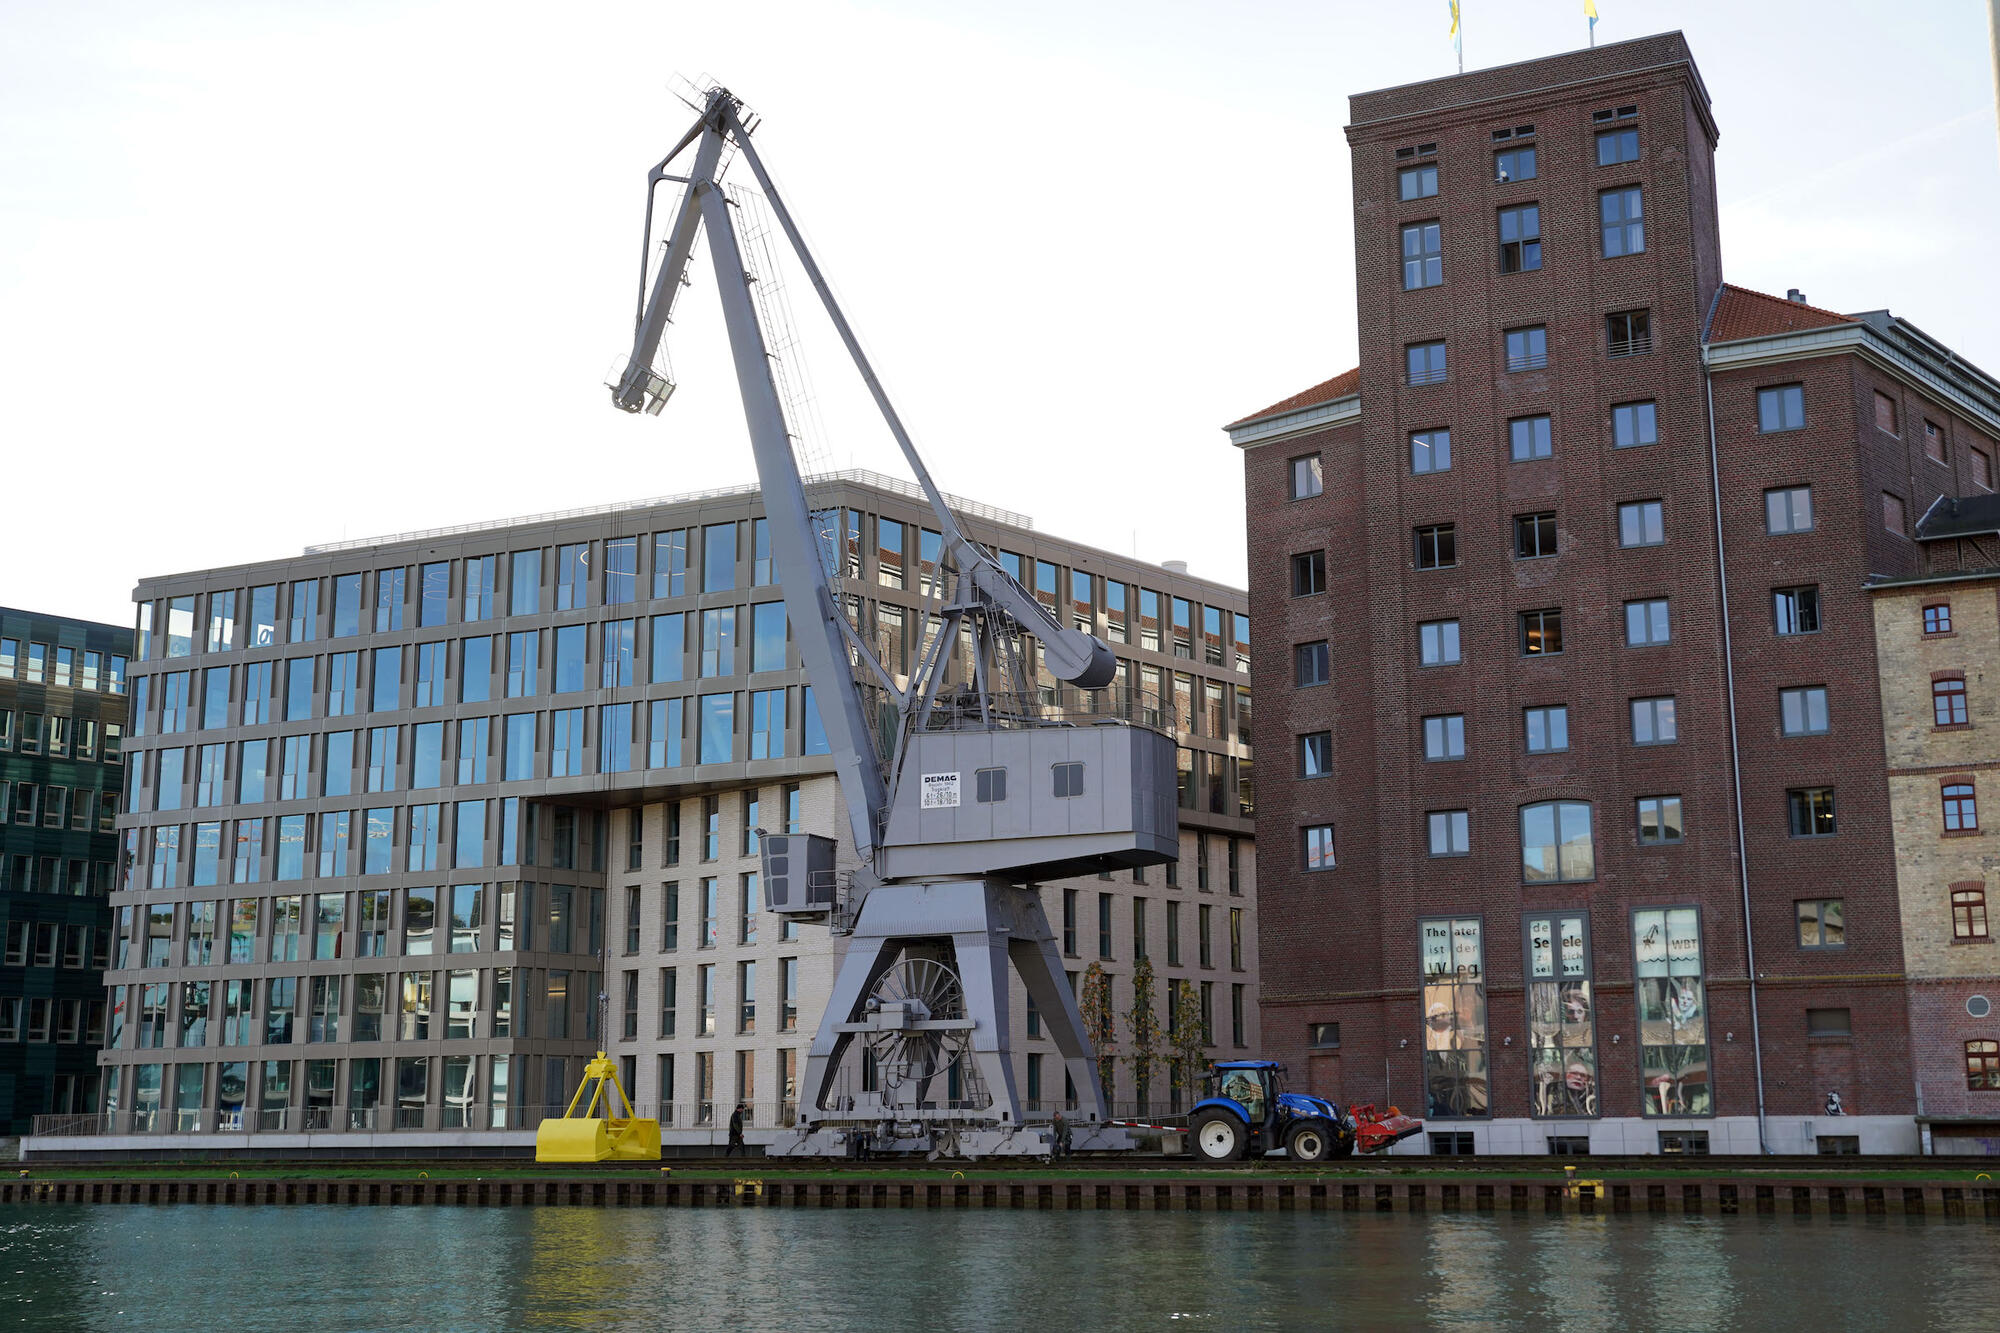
(1310,1142)
(1219,1137)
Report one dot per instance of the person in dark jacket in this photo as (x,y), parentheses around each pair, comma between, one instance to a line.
(736,1131)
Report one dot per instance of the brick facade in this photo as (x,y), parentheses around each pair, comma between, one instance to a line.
(1342,946)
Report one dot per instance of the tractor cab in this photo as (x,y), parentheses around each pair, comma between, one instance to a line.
(1248,1113)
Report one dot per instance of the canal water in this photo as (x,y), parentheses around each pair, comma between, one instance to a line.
(294,1268)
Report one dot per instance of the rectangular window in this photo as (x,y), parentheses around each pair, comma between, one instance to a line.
(1547,729)
(767,636)
(1514,164)
(1796,610)
(1528,348)
(1316,754)
(1614,146)
(1654,722)
(1623,216)
(1534,536)
(1782,407)
(1829,1023)
(1520,238)
(1961,807)
(1982,469)
(1673,1013)
(1316,844)
(1437,643)
(1430,451)
(1424,363)
(1308,578)
(1947,705)
(1419,182)
(1444,736)
(572,576)
(1541,633)
(670,563)
(1822,924)
(718,722)
(1982,1065)
(1647,623)
(1811,812)
(1659,819)
(1629,333)
(1450,832)
(1454,1005)
(1968,911)
(618,653)
(621,570)
(1557,843)
(1423,256)
(1803,711)
(718,557)
(1562,1010)
(523,671)
(718,642)
(1310,664)
(1937,618)
(1788,509)
(1306,479)
(569,663)
(481,576)
(1934,446)
(1886,416)
(1634,424)
(1436,546)
(1893,519)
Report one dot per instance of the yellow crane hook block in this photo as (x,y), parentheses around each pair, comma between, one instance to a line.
(589,1137)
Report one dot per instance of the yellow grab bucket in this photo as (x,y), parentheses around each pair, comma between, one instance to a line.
(588,1137)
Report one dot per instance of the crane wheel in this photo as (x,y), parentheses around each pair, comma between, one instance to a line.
(1219,1137)
(1310,1142)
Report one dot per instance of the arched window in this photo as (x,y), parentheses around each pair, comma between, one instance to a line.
(1961,808)
(1968,912)
(1556,842)
(1948,702)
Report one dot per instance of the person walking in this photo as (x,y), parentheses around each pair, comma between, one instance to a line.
(736,1132)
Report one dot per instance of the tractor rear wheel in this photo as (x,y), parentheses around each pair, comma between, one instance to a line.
(1219,1137)
(1310,1142)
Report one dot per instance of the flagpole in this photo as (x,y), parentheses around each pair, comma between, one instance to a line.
(1461,36)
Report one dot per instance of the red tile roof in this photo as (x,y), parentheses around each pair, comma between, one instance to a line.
(1742,313)
(1343,385)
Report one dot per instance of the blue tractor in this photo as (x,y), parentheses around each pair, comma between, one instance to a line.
(1249,1114)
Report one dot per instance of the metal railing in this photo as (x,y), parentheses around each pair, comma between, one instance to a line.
(1051,705)
(1532,361)
(1637,346)
(1427,377)
(858,476)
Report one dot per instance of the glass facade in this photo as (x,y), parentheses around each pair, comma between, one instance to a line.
(1454,1003)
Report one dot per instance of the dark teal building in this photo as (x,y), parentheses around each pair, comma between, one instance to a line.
(62,778)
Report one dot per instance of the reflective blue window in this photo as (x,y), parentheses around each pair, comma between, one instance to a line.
(430,676)
(521,664)
(718,642)
(256,693)
(389,591)
(520,756)
(343,673)
(305,610)
(426,833)
(768,720)
(263,616)
(510,854)
(175,687)
(382,758)
(298,688)
(669,647)
(718,557)
(469,826)
(436,607)
(482,573)
(142,689)
(767,636)
(474,735)
(815,729)
(339,766)
(295,759)
(718,724)
(670,563)
(292,847)
(388,679)
(572,576)
(566,743)
(621,570)
(569,658)
(664,728)
(762,573)
(173,777)
(346,605)
(614,738)
(524,584)
(381,840)
(475,671)
(180,627)
(618,651)
(253,759)
(427,755)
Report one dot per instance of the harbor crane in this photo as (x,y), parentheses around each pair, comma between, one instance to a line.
(964,788)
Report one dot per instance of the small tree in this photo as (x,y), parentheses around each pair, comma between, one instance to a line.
(1142,1025)
(1190,1038)
(1099,1022)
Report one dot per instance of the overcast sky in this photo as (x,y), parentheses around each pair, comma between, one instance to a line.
(275,274)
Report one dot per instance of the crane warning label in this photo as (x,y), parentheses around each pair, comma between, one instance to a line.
(940,791)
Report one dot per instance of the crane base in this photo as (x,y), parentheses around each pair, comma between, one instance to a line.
(890,1138)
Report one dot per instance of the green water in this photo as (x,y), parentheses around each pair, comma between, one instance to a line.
(215,1268)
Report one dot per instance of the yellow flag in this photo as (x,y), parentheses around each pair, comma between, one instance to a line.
(1454,18)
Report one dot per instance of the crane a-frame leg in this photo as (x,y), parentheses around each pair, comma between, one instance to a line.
(989,925)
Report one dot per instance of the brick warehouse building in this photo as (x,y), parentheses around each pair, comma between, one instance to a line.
(1564,587)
